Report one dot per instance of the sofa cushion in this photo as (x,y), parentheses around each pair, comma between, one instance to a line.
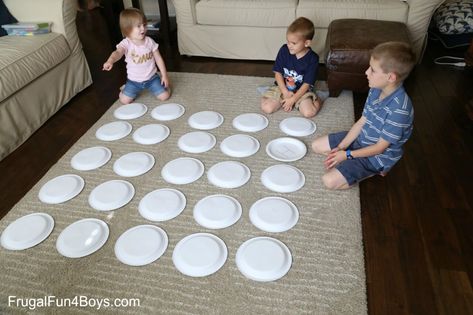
(263,13)
(322,12)
(24,58)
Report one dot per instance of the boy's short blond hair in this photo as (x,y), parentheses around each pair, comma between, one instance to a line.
(129,18)
(395,57)
(303,26)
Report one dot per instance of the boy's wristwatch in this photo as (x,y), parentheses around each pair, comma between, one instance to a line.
(349,156)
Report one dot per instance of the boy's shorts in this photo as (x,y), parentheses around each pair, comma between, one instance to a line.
(353,170)
(275,93)
(133,88)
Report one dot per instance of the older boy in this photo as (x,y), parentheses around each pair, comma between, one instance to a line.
(295,71)
(374,143)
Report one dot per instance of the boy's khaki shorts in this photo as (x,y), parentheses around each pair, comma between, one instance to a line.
(275,93)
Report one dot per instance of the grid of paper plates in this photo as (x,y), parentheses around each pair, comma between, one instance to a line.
(198,254)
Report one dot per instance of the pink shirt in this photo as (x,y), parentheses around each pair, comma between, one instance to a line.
(140,63)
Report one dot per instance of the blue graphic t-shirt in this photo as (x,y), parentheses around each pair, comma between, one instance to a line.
(297,71)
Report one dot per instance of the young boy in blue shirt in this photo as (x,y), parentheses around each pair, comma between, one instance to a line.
(374,143)
(295,71)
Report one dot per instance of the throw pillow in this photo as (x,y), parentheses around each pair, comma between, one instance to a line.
(455,17)
(5,18)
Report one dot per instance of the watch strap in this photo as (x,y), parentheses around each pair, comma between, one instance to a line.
(348,153)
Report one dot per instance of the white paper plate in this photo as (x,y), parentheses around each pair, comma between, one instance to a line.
(250,122)
(27,231)
(199,255)
(168,112)
(151,134)
(217,211)
(297,126)
(205,120)
(196,142)
(82,238)
(283,178)
(133,164)
(141,245)
(162,204)
(286,149)
(61,189)
(113,131)
(182,171)
(263,259)
(274,214)
(239,145)
(229,174)
(130,111)
(111,195)
(91,158)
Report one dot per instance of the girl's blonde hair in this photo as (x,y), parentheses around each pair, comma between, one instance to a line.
(129,18)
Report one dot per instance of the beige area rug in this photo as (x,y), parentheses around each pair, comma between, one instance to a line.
(327,274)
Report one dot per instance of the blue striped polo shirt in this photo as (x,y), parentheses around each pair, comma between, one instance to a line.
(391,119)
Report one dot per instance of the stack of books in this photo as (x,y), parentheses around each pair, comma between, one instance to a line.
(27,29)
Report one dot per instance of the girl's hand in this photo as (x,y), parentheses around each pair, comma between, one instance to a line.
(107,66)
(165,81)
(334,157)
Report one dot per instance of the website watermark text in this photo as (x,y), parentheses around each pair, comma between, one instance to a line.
(82,301)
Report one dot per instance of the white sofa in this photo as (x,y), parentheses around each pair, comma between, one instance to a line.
(256,29)
(38,74)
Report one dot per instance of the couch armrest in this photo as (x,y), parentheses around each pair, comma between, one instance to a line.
(185,11)
(62,14)
(419,16)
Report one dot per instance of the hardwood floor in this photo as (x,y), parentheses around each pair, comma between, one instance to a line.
(417,221)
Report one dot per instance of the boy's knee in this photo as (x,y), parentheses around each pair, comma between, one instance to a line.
(334,180)
(309,108)
(267,106)
(309,112)
(266,109)
(329,181)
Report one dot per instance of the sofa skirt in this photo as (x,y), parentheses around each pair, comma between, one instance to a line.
(24,112)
